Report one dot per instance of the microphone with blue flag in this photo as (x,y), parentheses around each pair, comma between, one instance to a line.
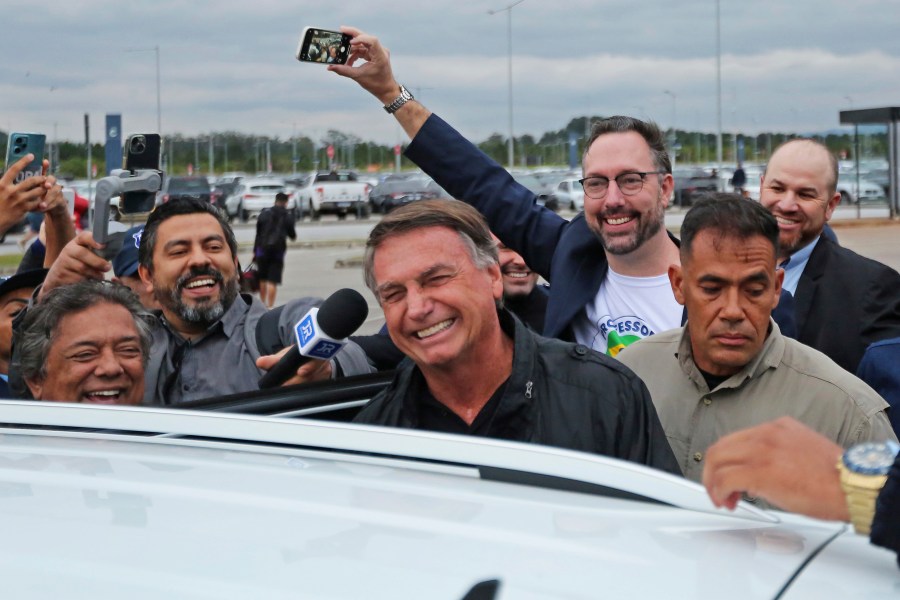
(320,333)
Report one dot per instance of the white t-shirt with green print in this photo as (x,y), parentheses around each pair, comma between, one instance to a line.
(625,310)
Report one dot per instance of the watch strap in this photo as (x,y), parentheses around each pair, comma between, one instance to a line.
(861,492)
(399,101)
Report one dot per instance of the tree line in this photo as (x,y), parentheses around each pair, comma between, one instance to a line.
(232,151)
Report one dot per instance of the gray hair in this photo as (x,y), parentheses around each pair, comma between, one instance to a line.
(41,324)
(452,214)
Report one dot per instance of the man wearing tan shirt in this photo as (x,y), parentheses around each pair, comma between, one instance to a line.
(729,367)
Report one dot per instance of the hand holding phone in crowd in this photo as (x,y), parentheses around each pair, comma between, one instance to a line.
(24,185)
(323,46)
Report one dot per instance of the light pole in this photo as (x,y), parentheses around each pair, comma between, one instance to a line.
(734,138)
(508,10)
(718,89)
(294,158)
(224,146)
(673,139)
(674,106)
(212,158)
(154,49)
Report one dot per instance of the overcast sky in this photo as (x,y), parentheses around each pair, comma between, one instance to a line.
(787,65)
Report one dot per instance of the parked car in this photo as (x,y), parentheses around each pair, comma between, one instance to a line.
(539,188)
(691,183)
(332,192)
(220,192)
(880,177)
(393,193)
(252,195)
(570,193)
(183,187)
(387,186)
(113,502)
(867,191)
(232,177)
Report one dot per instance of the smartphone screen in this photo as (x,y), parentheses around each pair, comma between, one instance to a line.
(20,144)
(142,152)
(323,46)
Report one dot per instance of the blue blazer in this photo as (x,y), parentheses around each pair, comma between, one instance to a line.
(565,253)
(880,368)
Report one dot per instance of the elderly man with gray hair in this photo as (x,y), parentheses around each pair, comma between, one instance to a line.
(475,369)
(86,342)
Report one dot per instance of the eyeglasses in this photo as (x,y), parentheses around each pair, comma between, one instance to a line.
(628,183)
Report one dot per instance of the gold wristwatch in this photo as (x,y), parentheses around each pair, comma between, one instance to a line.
(864,469)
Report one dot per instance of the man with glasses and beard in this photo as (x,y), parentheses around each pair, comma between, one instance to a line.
(205,344)
(608,266)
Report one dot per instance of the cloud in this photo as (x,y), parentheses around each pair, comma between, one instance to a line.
(229,65)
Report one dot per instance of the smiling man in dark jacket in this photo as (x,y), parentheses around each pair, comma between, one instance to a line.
(475,368)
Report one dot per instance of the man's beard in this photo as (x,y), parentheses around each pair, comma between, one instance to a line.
(649,224)
(789,245)
(205,312)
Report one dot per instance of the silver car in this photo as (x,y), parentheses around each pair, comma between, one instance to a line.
(252,195)
(115,502)
(570,194)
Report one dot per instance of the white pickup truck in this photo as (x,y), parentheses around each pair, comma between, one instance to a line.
(331,192)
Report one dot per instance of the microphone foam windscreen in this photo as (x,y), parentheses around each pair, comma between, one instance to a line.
(342,313)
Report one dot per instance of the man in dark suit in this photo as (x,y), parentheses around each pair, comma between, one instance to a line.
(843,301)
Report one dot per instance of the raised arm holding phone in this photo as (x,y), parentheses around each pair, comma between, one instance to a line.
(376,76)
(37,193)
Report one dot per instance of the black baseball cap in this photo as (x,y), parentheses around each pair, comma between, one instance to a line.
(32,278)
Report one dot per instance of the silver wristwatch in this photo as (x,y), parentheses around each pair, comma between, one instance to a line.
(402,99)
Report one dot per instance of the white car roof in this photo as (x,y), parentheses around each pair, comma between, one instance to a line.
(240,506)
(250,181)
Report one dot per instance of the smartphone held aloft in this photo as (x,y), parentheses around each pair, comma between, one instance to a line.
(20,144)
(323,46)
(142,152)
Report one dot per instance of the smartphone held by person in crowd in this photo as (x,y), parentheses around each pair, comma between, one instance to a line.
(323,46)
(20,144)
(142,152)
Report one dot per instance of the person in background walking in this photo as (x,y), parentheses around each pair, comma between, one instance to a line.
(739,180)
(273,227)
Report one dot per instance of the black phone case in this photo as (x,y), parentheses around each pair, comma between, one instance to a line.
(317,35)
(148,157)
